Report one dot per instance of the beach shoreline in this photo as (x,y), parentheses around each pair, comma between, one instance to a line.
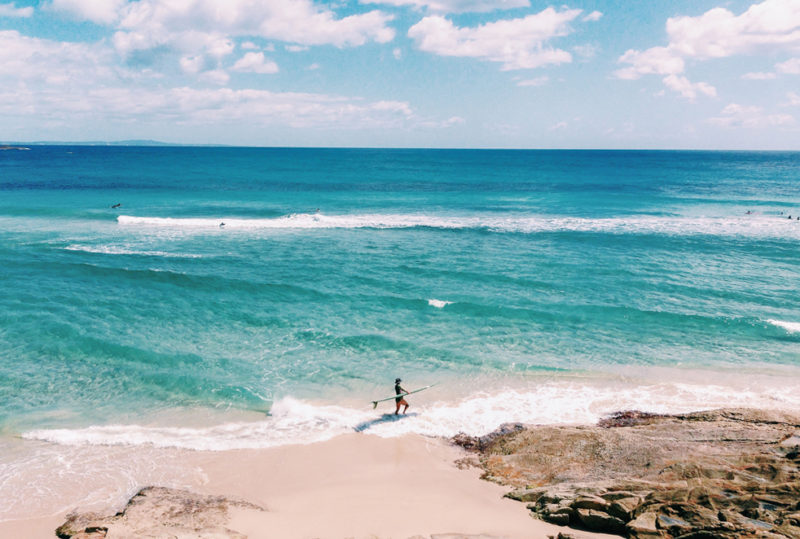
(704,470)
(354,485)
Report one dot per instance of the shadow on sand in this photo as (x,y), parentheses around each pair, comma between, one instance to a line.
(385,418)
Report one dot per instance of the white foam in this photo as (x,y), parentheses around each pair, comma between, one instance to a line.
(559,402)
(438,303)
(791,327)
(116,250)
(757,226)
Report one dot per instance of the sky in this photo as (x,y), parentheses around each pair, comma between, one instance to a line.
(684,74)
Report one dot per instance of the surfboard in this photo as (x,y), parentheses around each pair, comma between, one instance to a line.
(375,403)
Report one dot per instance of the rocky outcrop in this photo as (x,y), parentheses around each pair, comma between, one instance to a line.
(717,474)
(159,512)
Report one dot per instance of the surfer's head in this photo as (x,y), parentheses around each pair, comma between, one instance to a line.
(397,380)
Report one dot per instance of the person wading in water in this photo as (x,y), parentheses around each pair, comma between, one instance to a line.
(400,401)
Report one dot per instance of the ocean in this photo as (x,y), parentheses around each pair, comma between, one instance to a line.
(155,299)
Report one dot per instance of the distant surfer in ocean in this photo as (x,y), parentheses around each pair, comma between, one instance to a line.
(400,401)
(117,205)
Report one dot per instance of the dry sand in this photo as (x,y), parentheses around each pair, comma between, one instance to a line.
(355,486)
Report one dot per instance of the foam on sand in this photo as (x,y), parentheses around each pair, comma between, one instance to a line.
(293,421)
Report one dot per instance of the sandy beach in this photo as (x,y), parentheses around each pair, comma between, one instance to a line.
(355,485)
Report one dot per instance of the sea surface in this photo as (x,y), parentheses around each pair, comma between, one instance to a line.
(163,299)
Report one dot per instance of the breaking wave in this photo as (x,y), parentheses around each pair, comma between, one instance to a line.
(758,226)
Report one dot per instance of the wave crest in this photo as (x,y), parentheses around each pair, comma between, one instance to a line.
(759,226)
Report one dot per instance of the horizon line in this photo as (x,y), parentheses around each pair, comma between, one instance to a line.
(6,145)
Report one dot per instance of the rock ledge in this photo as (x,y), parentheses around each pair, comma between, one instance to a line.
(732,473)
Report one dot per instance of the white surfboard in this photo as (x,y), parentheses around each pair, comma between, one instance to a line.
(375,403)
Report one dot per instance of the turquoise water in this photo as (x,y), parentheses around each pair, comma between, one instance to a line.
(534,286)
(338,270)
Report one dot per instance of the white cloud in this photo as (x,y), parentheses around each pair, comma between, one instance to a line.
(790,67)
(192,64)
(248,45)
(254,62)
(773,25)
(688,89)
(718,33)
(794,99)
(654,61)
(440,124)
(538,81)
(593,16)
(759,76)
(560,126)
(45,82)
(735,115)
(397,53)
(149,24)
(10,10)
(97,11)
(296,48)
(33,60)
(516,43)
(455,6)
(215,76)
(313,66)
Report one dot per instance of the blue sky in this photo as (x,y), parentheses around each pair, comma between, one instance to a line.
(404,73)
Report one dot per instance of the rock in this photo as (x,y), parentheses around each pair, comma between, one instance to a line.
(724,472)
(590,502)
(559,519)
(84,523)
(791,441)
(599,521)
(673,525)
(527,494)
(629,418)
(617,495)
(557,508)
(745,523)
(159,512)
(644,527)
(624,507)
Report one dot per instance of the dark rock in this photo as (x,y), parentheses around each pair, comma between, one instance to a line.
(480,443)
(599,521)
(628,418)
(559,519)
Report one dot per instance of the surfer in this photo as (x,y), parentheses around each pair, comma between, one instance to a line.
(117,205)
(400,401)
